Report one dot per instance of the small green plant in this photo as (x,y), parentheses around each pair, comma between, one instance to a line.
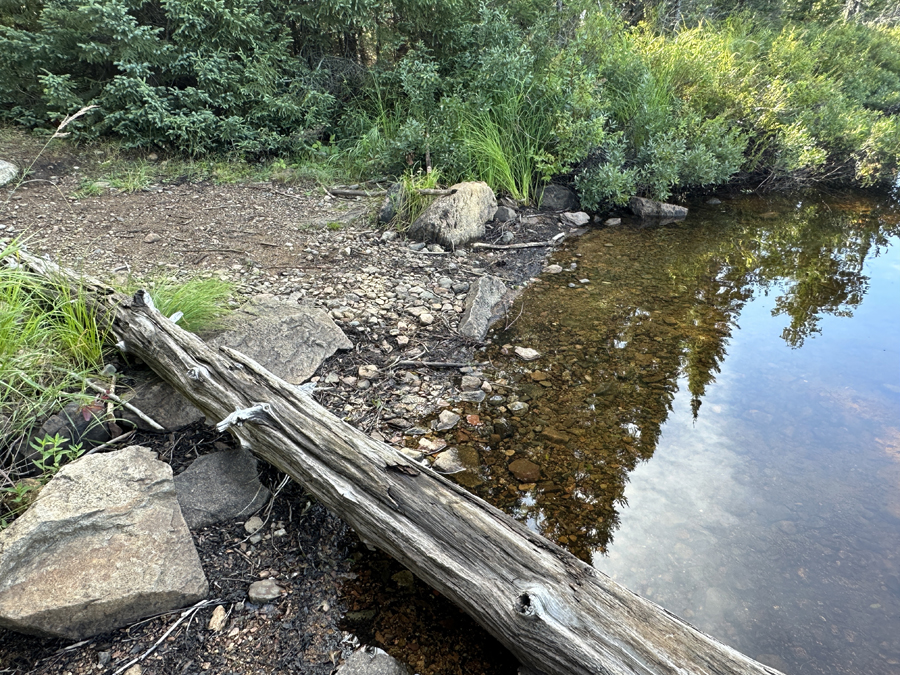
(334,225)
(133,177)
(53,452)
(88,188)
(409,203)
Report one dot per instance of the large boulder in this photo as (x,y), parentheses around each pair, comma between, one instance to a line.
(220,486)
(289,339)
(484,305)
(104,545)
(457,219)
(648,208)
(8,171)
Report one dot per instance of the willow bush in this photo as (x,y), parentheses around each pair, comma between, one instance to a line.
(654,97)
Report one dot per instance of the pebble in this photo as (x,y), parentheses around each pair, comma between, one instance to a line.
(261,592)
(426,319)
(518,408)
(527,353)
(368,371)
(418,246)
(470,383)
(253,524)
(151,238)
(525,470)
(612,222)
(507,238)
(554,269)
(472,396)
(446,420)
(217,621)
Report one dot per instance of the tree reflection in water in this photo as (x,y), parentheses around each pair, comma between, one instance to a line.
(660,308)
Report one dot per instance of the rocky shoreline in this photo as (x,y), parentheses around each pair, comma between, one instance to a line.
(398,302)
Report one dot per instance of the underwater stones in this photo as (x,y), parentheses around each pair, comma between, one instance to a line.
(525,470)
(527,353)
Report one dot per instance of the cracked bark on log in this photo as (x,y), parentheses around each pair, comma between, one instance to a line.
(555,613)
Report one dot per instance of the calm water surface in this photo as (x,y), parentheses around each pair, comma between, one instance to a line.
(717,422)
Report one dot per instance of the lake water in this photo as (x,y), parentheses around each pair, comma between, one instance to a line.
(716,417)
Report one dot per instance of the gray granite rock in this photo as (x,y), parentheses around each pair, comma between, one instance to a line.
(484,304)
(157,399)
(457,219)
(575,218)
(8,171)
(220,486)
(558,198)
(504,214)
(371,661)
(648,208)
(103,546)
(289,339)
(394,203)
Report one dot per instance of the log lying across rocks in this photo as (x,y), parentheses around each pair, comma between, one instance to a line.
(555,613)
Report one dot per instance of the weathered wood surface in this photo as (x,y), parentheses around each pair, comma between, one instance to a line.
(554,612)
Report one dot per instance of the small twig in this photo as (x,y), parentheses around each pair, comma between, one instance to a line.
(530,244)
(110,443)
(127,405)
(184,615)
(210,250)
(522,309)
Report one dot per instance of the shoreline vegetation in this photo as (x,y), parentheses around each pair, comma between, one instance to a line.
(657,99)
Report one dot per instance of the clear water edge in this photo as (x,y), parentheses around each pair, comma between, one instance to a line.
(740,468)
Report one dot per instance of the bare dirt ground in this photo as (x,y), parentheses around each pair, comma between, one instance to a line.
(297,242)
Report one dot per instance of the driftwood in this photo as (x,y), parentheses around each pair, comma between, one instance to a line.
(555,613)
(530,244)
(343,192)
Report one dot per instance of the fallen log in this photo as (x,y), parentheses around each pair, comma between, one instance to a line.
(555,613)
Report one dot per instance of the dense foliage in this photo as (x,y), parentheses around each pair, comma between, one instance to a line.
(647,97)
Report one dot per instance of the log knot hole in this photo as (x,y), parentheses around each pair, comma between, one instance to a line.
(525,606)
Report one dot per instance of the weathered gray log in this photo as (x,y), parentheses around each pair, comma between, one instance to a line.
(554,612)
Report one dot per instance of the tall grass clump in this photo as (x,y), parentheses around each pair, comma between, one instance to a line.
(201,302)
(507,143)
(49,342)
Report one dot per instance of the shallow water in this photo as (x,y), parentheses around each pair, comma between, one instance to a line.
(716,418)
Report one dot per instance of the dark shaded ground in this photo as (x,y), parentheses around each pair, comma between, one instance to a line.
(326,572)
